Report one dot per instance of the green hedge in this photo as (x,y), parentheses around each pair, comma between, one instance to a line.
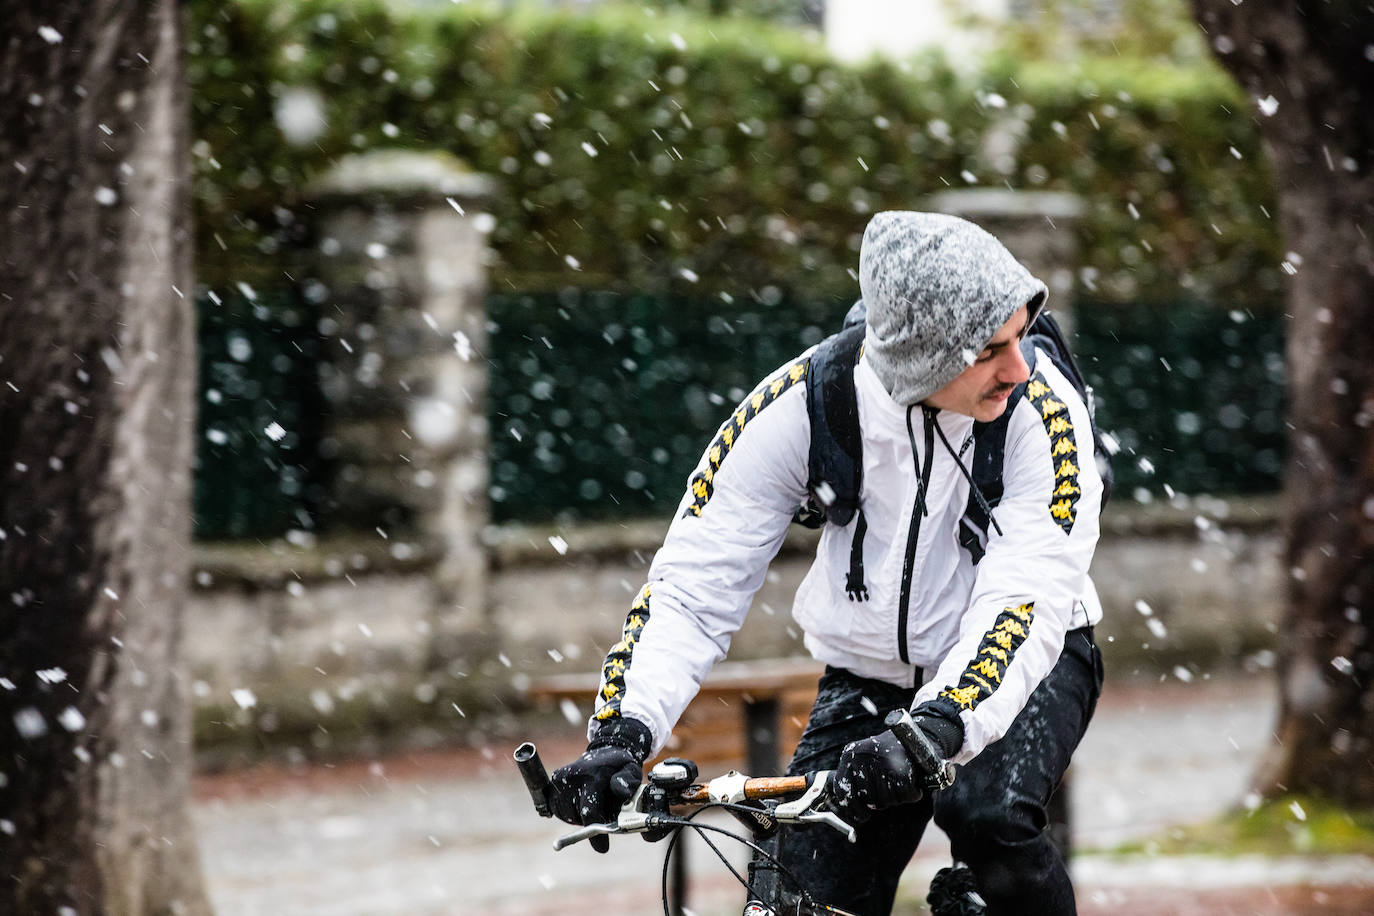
(654,152)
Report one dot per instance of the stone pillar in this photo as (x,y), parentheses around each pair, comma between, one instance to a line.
(400,277)
(1038,227)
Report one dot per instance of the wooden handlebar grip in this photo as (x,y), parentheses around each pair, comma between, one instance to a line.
(759,787)
(773,786)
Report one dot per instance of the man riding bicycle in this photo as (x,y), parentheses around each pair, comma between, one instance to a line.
(965,601)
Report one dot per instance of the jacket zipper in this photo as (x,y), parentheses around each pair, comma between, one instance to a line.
(914,529)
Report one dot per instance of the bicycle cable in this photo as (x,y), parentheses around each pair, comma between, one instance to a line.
(672,845)
(688,821)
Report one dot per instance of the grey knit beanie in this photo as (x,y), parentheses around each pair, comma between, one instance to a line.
(937,288)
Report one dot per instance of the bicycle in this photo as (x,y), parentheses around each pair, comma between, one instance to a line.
(762,805)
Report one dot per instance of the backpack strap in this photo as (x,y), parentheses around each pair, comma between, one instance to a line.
(989,454)
(854,585)
(835,461)
(990,439)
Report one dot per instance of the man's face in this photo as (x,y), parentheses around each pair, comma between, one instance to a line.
(981,390)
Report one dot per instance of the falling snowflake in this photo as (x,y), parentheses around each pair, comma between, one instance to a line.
(30,723)
(462,346)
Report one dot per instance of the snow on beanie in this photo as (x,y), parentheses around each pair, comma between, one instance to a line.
(937,288)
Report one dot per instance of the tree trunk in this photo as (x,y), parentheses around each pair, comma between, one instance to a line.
(1316,62)
(97,357)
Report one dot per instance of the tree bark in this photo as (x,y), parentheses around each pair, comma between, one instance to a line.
(97,360)
(1315,60)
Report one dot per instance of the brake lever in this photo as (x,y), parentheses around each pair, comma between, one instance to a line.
(631,819)
(832,820)
(803,809)
(585,833)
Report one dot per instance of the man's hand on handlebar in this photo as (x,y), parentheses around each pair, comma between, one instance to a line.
(587,791)
(592,789)
(893,768)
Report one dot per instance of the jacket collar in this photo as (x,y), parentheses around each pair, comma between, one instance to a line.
(874,396)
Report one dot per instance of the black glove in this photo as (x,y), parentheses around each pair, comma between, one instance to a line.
(874,773)
(878,773)
(592,789)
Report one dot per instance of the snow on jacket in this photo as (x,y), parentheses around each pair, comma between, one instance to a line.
(983,635)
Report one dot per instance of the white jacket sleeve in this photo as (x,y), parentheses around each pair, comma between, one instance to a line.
(1033,572)
(728,527)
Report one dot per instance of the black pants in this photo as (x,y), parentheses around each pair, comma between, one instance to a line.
(994,814)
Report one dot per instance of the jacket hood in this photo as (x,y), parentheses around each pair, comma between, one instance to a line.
(937,288)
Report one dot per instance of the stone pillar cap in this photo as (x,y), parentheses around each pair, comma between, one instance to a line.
(401,174)
(1003,203)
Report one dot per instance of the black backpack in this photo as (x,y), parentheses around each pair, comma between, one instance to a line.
(835,471)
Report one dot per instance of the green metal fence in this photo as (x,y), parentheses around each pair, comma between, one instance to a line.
(1194,394)
(258,465)
(600,403)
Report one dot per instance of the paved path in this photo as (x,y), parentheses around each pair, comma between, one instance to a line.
(437,834)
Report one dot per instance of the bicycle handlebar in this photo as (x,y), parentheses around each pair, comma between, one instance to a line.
(752,788)
(922,750)
(647,808)
(535,776)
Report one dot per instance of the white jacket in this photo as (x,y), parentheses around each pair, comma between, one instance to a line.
(984,635)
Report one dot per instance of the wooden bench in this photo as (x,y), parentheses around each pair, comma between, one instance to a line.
(747,713)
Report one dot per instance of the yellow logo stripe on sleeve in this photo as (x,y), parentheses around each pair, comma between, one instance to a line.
(1054,413)
(618,659)
(701,484)
(989,665)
